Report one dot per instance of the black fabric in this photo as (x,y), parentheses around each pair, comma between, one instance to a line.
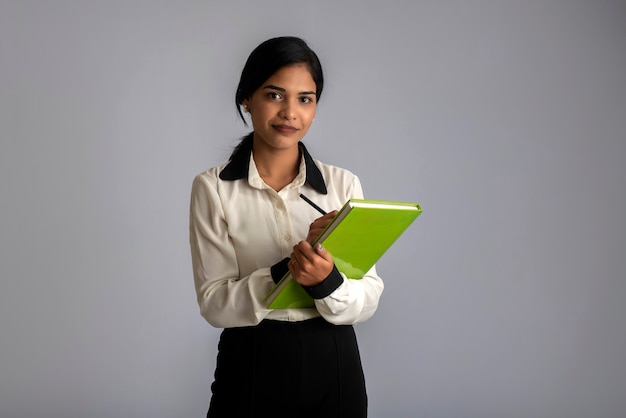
(320,291)
(313,174)
(238,166)
(289,369)
(328,286)
(279,269)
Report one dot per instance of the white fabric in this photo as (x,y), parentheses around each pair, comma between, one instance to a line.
(240,228)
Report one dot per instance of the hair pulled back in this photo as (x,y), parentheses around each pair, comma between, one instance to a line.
(269,57)
(265,60)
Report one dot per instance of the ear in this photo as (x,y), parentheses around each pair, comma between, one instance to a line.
(245,103)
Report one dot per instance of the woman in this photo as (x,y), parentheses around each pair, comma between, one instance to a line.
(249,226)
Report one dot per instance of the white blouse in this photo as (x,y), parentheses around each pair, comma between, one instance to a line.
(240,227)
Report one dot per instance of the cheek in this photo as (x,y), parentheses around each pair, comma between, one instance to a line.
(259,117)
(309,116)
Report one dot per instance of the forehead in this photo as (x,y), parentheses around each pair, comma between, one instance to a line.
(297,77)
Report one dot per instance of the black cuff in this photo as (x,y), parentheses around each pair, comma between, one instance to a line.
(328,286)
(279,269)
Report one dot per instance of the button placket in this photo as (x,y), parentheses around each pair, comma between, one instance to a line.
(283,223)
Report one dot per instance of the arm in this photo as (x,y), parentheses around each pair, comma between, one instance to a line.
(225,298)
(353,301)
(338,299)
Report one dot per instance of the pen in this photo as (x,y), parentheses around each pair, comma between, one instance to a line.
(306,199)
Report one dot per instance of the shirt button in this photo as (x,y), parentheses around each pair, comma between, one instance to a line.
(287,237)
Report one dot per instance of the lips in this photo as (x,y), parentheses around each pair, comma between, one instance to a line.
(285,129)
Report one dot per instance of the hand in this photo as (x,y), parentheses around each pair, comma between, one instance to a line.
(310,266)
(318,225)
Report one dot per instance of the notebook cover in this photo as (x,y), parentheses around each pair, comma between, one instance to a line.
(360,234)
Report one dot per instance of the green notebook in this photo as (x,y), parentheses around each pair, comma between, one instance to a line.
(357,237)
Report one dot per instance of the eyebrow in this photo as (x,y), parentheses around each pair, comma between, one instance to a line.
(272,87)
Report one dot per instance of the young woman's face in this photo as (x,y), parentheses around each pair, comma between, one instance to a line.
(283,108)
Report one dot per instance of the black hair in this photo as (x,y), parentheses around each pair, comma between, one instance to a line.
(265,60)
(271,56)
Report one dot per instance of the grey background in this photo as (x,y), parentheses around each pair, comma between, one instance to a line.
(505,120)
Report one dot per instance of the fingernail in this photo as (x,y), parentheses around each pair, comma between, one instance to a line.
(319,247)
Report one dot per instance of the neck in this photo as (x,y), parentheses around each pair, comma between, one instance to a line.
(277,167)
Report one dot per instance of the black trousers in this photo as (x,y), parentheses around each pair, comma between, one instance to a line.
(289,369)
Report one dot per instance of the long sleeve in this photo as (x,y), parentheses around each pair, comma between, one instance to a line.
(241,231)
(225,299)
(354,300)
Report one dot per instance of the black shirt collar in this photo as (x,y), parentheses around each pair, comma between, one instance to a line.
(237,167)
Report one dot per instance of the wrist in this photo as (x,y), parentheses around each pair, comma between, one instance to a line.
(326,286)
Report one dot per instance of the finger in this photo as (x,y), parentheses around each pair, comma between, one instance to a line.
(328,216)
(321,251)
(293,266)
(304,252)
(298,258)
(324,220)
(311,258)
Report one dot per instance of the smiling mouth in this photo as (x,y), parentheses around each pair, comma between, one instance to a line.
(285,129)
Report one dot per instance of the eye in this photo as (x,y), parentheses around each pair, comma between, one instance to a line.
(306,99)
(274,95)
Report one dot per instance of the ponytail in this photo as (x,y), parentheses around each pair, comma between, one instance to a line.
(244,144)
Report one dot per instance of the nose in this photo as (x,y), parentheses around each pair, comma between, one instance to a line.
(288,110)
